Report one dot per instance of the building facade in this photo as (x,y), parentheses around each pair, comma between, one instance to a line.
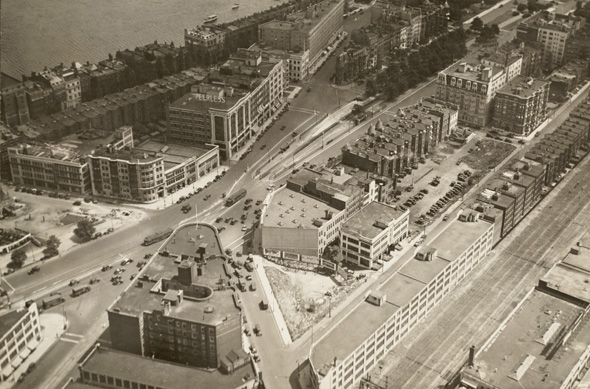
(231,109)
(472,88)
(21,334)
(15,110)
(521,105)
(366,237)
(553,32)
(313,29)
(410,294)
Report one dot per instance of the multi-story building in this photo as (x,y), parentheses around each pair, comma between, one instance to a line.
(553,31)
(140,104)
(40,99)
(391,148)
(366,237)
(297,226)
(530,51)
(20,333)
(296,63)
(241,96)
(545,343)
(108,368)
(397,306)
(72,85)
(313,29)
(60,166)
(8,138)
(521,105)
(176,311)
(472,87)
(15,110)
(149,171)
(57,85)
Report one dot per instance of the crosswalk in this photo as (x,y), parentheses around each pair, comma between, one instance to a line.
(71,338)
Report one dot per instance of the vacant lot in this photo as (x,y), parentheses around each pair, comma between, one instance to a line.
(302,296)
(487,154)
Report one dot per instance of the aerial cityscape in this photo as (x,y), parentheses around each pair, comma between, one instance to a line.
(304,194)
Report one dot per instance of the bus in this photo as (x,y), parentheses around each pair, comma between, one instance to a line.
(231,200)
(156,237)
(78,291)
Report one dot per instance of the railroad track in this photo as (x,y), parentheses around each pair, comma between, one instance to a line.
(433,352)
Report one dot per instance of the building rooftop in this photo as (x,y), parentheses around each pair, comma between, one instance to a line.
(457,237)
(148,297)
(289,208)
(160,374)
(572,275)
(8,320)
(528,352)
(471,71)
(172,154)
(372,220)
(302,21)
(400,289)
(523,87)
(73,148)
(201,102)
(7,82)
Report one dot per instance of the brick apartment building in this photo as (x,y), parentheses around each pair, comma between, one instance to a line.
(521,105)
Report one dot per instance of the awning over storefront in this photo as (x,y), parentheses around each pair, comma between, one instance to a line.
(25,353)
(16,362)
(33,345)
(7,371)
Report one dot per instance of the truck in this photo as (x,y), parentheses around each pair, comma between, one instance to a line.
(46,304)
(81,290)
(157,236)
(231,200)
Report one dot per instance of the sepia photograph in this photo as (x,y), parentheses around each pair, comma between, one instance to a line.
(295,194)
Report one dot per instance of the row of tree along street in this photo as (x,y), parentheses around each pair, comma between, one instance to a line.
(412,67)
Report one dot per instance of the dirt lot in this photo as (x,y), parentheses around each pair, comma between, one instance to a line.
(487,154)
(43,216)
(302,296)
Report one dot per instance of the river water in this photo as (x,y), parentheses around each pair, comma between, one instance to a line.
(38,33)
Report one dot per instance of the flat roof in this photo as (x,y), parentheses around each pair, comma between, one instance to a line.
(161,374)
(522,86)
(364,222)
(472,71)
(173,149)
(457,237)
(296,206)
(72,148)
(523,356)
(8,320)
(400,289)
(185,240)
(571,276)
(193,102)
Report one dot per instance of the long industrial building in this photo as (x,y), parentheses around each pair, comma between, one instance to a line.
(373,328)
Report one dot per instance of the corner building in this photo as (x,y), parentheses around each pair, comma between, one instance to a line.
(406,299)
(245,92)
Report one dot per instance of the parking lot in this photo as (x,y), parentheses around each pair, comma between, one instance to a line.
(445,177)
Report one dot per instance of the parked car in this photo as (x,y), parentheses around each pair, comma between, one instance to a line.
(34,270)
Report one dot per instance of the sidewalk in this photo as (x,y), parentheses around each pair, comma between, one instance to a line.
(272,302)
(172,198)
(52,327)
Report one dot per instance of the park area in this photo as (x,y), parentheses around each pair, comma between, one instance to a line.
(305,298)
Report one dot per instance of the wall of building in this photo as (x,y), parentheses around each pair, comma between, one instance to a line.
(126,332)
(349,371)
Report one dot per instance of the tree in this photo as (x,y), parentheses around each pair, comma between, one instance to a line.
(495,29)
(52,245)
(521,7)
(476,24)
(17,259)
(85,230)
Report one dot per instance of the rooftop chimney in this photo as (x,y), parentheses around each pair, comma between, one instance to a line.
(471,355)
